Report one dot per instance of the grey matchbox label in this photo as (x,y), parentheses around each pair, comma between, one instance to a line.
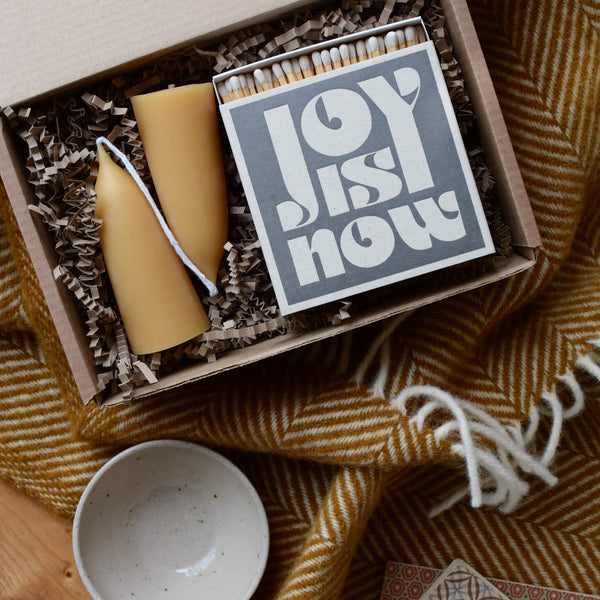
(357,178)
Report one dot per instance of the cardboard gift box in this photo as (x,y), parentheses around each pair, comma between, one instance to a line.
(94,51)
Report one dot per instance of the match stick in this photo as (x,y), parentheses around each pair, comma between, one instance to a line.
(223,91)
(236,87)
(250,84)
(401,39)
(270,78)
(361,51)
(317,62)
(262,82)
(244,86)
(411,35)
(352,50)
(372,47)
(297,69)
(336,59)
(306,67)
(279,74)
(391,42)
(326,60)
(345,55)
(421,36)
(288,69)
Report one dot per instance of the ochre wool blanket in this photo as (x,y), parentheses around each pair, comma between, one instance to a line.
(487,398)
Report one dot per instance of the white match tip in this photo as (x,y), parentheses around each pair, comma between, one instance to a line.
(401,37)
(277,70)
(287,67)
(296,66)
(373,45)
(260,77)
(234,82)
(352,51)
(316,58)
(361,49)
(391,41)
(344,52)
(326,57)
(304,63)
(223,91)
(335,55)
(410,33)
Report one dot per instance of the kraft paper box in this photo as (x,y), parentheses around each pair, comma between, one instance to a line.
(67,62)
(358,177)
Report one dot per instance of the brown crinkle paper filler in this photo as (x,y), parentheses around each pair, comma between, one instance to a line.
(60,133)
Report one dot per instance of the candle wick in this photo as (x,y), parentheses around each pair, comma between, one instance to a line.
(208,284)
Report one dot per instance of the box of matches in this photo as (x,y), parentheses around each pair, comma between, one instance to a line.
(353,165)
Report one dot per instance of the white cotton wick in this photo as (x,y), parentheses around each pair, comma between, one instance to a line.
(209,285)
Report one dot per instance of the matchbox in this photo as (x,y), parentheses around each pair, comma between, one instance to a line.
(356,177)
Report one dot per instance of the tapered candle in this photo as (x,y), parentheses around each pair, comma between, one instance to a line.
(156,298)
(180,135)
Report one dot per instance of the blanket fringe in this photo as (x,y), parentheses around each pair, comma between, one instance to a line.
(496,454)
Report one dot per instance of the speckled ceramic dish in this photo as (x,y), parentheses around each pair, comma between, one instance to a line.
(170,519)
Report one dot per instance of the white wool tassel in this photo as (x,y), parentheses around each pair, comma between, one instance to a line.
(494,468)
(468,447)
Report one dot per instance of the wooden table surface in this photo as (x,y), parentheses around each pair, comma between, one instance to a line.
(36,555)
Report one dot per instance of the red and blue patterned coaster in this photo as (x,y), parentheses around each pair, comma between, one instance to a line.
(461,582)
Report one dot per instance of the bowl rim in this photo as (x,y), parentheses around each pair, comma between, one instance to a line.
(171,443)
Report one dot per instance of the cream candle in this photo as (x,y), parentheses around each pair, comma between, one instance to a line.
(180,135)
(156,298)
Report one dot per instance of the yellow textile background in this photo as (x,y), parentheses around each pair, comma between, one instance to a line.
(346,478)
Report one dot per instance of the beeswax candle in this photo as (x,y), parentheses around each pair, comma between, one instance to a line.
(156,298)
(180,135)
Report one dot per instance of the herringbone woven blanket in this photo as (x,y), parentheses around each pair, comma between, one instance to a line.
(490,398)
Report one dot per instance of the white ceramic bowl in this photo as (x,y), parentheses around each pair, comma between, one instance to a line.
(170,519)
